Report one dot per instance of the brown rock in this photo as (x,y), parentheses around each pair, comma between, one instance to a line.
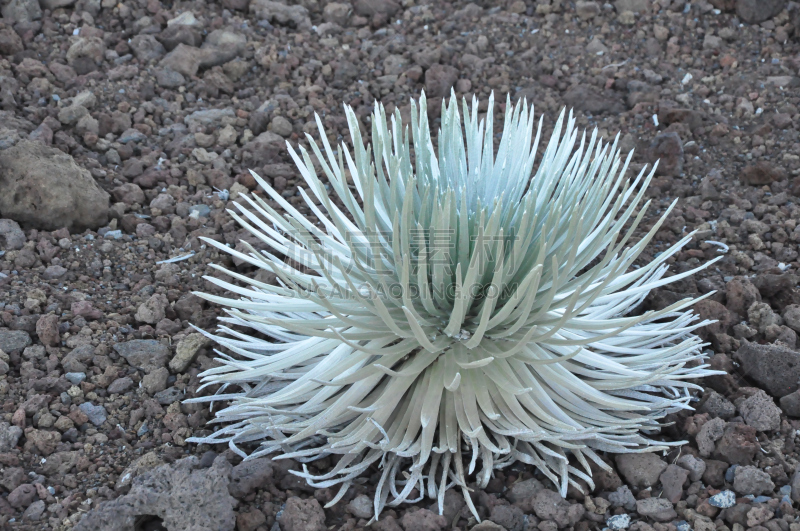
(738,445)
(659,509)
(10,43)
(250,520)
(439,79)
(589,99)
(640,470)
(42,187)
(22,496)
(741,294)
(761,173)
(41,441)
(303,515)
(667,149)
(181,494)
(549,505)
(47,330)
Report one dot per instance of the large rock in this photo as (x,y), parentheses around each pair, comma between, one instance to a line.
(760,412)
(304,515)
(42,188)
(640,470)
(11,236)
(757,11)
(22,11)
(659,509)
(294,16)
(752,480)
(667,149)
(13,340)
(182,495)
(439,79)
(369,8)
(775,368)
(588,99)
(85,54)
(549,505)
(147,354)
(186,351)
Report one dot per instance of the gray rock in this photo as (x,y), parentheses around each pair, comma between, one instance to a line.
(623,497)
(509,517)
(97,414)
(208,117)
(9,436)
(306,515)
(760,412)
(757,11)
(752,480)
(131,135)
(146,48)
(249,475)
(75,361)
(75,378)
(147,354)
(695,466)
(790,404)
(294,16)
(523,490)
(717,405)
(795,483)
(11,236)
(637,6)
(710,433)
(54,272)
(658,509)
(549,505)
(34,511)
(361,505)
(220,47)
(672,480)
(184,60)
(155,381)
(181,494)
(21,11)
(791,315)
(775,368)
(43,188)
(120,385)
(22,496)
(13,340)
(168,78)
(640,470)
(168,396)
(369,8)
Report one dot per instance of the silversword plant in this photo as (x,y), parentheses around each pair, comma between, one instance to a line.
(453,311)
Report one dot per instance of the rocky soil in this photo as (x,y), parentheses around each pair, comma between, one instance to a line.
(127,129)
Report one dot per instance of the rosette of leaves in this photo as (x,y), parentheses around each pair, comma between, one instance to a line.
(447,312)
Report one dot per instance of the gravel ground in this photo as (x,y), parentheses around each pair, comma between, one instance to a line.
(158,109)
